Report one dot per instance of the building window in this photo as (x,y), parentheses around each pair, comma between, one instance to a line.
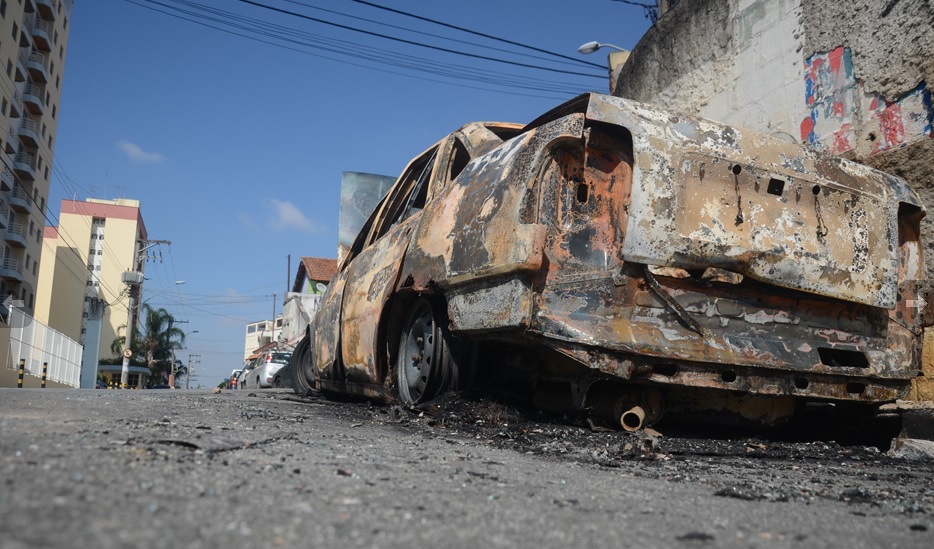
(100,236)
(3,8)
(93,236)
(31,300)
(15,32)
(250,329)
(4,104)
(35,266)
(97,268)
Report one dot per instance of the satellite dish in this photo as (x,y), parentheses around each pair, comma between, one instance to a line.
(320,286)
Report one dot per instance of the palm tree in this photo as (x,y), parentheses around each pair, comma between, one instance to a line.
(155,342)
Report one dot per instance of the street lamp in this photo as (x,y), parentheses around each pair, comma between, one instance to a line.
(614,61)
(176,283)
(591,47)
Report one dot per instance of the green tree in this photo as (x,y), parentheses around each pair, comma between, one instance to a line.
(155,342)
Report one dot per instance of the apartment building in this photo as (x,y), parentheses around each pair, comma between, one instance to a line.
(83,259)
(259,334)
(33,42)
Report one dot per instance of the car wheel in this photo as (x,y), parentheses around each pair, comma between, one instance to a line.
(277,382)
(303,372)
(425,366)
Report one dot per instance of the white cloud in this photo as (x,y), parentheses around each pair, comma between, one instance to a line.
(286,216)
(136,153)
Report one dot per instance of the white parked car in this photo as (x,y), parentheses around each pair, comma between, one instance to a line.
(264,368)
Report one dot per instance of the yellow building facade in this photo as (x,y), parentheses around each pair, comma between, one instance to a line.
(84,259)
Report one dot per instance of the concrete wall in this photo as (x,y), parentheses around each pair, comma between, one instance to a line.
(848,78)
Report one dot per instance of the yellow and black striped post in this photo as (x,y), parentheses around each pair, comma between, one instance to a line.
(22,373)
(45,371)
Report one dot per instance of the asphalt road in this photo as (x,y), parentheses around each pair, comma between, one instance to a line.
(102,468)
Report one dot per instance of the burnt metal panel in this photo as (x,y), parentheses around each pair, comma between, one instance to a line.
(709,195)
(480,227)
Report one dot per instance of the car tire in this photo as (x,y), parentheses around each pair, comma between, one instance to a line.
(304,374)
(426,361)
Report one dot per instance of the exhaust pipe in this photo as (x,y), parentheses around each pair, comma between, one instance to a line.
(631,419)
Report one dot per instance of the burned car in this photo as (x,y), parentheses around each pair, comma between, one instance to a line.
(623,260)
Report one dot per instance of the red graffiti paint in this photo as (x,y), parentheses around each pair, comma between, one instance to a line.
(891,127)
(807,126)
(842,139)
(835,57)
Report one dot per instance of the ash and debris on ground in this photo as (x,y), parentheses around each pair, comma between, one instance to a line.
(810,459)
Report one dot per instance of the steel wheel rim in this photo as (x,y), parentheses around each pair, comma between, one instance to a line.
(418,354)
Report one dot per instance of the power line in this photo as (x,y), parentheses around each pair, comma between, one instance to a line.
(417,67)
(476,33)
(418,44)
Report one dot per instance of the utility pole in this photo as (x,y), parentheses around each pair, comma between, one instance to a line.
(134,281)
(190,370)
(172,367)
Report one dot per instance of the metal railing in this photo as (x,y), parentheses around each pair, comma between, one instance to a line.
(24,158)
(38,344)
(38,58)
(32,89)
(43,25)
(20,193)
(10,264)
(17,229)
(29,124)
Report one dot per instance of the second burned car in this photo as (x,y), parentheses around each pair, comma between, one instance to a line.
(623,260)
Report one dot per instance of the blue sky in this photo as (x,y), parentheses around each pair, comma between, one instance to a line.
(235,146)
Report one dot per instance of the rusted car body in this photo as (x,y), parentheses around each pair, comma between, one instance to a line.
(625,257)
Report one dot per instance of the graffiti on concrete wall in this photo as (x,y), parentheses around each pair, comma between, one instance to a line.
(842,116)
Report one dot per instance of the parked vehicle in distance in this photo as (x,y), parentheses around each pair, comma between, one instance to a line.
(265,367)
(282,379)
(244,376)
(622,260)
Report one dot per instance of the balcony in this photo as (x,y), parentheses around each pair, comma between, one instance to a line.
(28,21)
(12,270)
(16,106)
(37,68)
(20,200)
(7,179)
(16,235)
(21,60)
(41,35)
(12,141)
(4,212)
(46,9)
(32,98)
(29,132)
(24,164)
